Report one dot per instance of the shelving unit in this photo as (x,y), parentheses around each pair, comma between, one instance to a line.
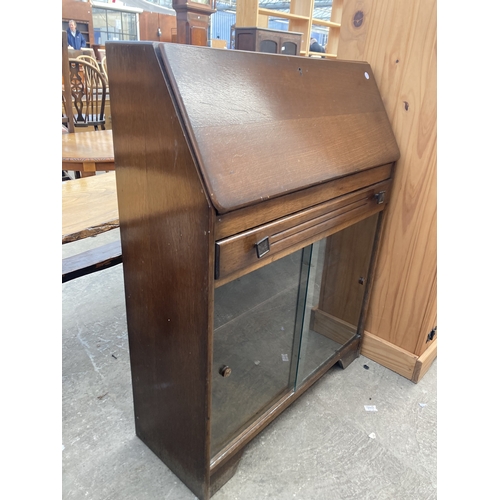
(300,19)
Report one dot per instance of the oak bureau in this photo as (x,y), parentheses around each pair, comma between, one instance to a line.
(251,189)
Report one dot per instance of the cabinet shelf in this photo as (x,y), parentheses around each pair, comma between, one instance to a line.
(284,15)
(319,55)
(322,22)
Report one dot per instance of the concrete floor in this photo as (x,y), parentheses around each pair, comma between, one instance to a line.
(325,446)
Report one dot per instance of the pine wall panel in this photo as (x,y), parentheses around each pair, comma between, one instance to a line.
(399,40)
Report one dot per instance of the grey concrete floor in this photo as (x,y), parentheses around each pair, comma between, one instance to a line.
(325,446)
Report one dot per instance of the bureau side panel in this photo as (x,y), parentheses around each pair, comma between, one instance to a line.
(165,221)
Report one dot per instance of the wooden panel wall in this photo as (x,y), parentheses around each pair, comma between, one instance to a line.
(149,22)
(398,38)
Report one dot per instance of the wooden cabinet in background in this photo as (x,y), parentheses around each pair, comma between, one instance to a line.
(265,40)
(300,20)
(157,27)
(193,17)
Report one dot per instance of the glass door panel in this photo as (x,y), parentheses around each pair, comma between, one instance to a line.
(276,326)
(336,291)
(253,336)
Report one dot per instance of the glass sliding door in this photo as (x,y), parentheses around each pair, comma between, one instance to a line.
(253,338)
(276,326)
(336,292)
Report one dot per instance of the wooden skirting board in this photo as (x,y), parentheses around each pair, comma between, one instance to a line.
(405,363)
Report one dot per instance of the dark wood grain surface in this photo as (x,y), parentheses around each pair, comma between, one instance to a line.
(165,221)
(264,125)
(208,144)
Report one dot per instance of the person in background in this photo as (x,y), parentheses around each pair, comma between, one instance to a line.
(75,38)
(314,46)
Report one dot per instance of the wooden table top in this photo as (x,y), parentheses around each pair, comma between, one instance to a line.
(89,206)
(94,146)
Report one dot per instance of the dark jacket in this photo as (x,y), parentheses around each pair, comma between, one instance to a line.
(77,41)
(316,47)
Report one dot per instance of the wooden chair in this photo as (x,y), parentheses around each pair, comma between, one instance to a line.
(67,111)
(90,60)
(104,67)
(88,92)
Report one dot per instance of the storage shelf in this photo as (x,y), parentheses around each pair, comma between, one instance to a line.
(318,55)
(249,14)
(322,22)
(284,15)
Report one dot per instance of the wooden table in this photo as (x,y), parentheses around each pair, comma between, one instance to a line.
(88,152)
(89,206)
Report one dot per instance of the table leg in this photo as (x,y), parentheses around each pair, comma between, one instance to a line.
(88,168)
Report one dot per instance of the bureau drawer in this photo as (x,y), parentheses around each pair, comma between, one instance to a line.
(244,252)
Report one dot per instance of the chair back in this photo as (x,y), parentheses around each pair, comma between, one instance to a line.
(67,110)
(104,67)
(88,92)
(90,60)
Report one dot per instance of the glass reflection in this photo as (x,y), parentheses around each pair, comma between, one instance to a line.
(253,335)
(336,290)
(276,326)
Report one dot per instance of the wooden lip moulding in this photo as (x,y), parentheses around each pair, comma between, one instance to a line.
(250,193)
